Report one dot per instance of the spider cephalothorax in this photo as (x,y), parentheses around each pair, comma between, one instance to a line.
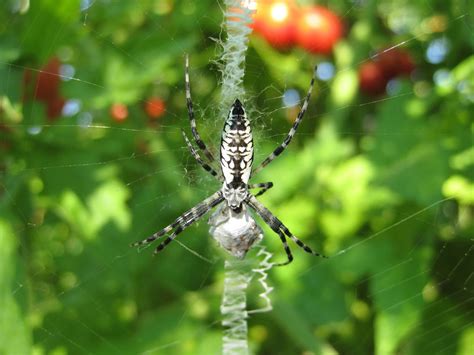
(232,225)
(235,194)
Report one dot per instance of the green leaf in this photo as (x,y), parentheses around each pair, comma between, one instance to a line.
(409,153)
(15,337)
(107,204)
(459,188)
(52,20)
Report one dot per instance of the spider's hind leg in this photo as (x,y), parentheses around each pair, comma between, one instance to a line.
(287,249)
(278,227)
(300,243)
(182,222)
(155,236)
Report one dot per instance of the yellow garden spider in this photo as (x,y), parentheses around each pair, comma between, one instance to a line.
(232,225)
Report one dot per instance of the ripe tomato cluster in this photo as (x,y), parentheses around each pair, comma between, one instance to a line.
(154,108)
(118,112)
(388,64)
(283,24)
(44,86)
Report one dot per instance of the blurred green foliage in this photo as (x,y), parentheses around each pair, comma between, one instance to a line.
(384,185)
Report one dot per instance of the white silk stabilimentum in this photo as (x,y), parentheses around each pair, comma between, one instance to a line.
(238,274)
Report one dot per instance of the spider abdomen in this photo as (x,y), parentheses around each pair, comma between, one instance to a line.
(236,146)
(235,231)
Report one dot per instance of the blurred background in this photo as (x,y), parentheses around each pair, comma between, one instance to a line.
(378,177)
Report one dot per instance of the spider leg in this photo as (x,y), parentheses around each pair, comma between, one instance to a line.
(277,226)
(287,249)
(182,222)
(197,138)
(198,158)
(278,150)
(264,185)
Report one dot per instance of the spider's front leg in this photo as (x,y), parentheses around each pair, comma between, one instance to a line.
(198,158)
(182,222)
(278,227)
(192,120)
(278,150)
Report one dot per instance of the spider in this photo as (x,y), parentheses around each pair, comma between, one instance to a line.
(232,225)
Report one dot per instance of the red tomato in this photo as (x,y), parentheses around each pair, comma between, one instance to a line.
(54,106)
(318,29)
(155,107)
(395,62)
(47,86)
(119,112)
(372,79)
(407,65)
(275,21)
(43,85)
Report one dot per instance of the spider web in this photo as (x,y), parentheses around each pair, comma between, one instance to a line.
(400,274)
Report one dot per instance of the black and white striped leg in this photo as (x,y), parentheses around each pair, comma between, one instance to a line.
(292,131)
(277,226)
(287,249)
(198,158)
(300,243)
(264,185)
(197,138)
(182,222)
